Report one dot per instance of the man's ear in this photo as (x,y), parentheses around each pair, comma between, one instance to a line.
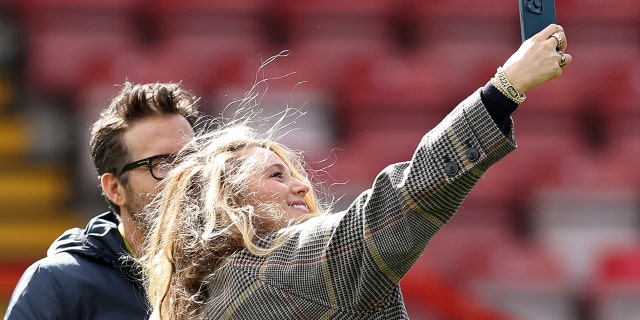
(112,188)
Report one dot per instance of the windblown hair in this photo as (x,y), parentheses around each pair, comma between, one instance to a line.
(200,217)
(133,103)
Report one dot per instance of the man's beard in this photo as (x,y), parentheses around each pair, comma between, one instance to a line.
(135,206)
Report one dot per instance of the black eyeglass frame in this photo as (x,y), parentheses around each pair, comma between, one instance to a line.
(147,162)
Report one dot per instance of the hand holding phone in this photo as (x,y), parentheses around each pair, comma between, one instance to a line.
(535,15)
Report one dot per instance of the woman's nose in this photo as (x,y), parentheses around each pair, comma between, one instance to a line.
(299,187)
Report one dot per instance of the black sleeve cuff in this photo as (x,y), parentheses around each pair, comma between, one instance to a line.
(498,105)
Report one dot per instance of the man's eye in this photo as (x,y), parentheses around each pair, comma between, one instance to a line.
(163,162)
(163,165)
(159,164)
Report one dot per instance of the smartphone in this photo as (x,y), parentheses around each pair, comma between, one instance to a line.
(535,15)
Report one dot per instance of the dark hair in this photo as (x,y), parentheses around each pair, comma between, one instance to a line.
(133,103)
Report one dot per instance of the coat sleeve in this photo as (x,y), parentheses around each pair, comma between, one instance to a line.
(409,202)
(365,251)
(37,295)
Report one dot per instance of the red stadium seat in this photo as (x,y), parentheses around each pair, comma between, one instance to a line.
(209,17)
(338,18)
(599,11)
(388,90)
(440,20)
(614,291)
(521,279)
(65,36)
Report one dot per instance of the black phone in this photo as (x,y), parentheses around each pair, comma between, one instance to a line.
(535,15)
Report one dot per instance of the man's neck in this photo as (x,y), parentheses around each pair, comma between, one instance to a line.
(124,238)
(130,234)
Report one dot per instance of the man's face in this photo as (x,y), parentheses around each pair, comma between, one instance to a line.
(163,134)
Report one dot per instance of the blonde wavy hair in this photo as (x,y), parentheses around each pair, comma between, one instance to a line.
(200,217)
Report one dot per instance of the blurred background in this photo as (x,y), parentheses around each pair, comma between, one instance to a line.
(550,232)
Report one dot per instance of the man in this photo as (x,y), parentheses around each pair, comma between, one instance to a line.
(88,273)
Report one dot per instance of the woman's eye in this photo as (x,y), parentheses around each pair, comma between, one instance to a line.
(276,175)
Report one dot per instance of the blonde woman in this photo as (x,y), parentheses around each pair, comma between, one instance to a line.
(238,232)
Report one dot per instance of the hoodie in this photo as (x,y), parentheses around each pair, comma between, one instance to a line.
(87,274)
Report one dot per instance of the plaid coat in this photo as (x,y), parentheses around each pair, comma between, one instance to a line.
(348,265)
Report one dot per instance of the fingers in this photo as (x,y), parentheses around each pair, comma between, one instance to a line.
(565,60)
(554,33)
(561,39)
(561,45)
(549,30)
(557,36)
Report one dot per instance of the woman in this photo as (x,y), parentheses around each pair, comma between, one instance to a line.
(238,232)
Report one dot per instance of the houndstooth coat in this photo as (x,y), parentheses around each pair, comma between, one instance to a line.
(348,265)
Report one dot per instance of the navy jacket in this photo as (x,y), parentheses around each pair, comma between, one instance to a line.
(84,276)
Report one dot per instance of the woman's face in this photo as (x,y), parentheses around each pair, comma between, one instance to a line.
(274,184)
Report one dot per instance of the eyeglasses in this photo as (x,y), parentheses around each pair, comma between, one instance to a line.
(158,165)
